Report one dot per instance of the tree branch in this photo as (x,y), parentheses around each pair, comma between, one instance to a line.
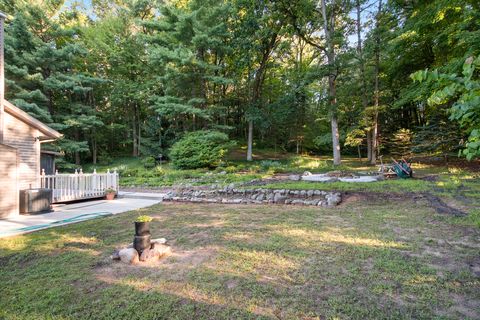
(300,33)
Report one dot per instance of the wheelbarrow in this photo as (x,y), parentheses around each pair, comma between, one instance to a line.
(401,169)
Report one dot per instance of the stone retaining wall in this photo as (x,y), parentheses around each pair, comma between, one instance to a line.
(278,196)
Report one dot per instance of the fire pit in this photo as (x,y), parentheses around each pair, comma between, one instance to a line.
(143,248)
(142,239)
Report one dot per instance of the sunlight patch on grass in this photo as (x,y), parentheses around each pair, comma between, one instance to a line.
(13,244)
(256,262)
(336,236)
(422,279)
(181,289)
(39,242)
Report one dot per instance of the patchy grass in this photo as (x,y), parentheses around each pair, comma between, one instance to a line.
(361,260)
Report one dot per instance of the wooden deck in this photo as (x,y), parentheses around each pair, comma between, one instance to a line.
(79,186)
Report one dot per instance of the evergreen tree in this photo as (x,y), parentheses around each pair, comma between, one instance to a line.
(42,78)
(187,48)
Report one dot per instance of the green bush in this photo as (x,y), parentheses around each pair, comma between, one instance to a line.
(200,149)
(231,169)
(271,165)
(129,172)
(159,171)
(121,169)
(148,162)
(104,158)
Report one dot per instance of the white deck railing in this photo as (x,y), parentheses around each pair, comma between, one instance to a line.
(79,185)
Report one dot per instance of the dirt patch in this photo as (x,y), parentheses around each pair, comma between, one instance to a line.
(376,197)
(441,207)
(431,178)
(174,267)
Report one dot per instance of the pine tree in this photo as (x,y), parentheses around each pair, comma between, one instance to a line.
(42,78)
(187,48)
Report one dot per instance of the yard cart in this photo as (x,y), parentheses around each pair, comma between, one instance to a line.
(401,169)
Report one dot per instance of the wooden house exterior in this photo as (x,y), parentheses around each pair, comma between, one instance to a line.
(20,154)
(9,194)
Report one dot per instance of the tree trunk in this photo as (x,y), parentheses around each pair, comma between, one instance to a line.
(331,83)
(134,132)
(369,146)
(250,140)
(139,139)
(335,141)
(362,75)
(360,57)
(94,148)
(375,146)
(257,88)
(77,154)
(160,132)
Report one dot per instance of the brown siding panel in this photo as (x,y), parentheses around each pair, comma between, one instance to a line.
(8,181)
(23,137)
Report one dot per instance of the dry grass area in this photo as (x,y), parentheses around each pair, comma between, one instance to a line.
(361,260)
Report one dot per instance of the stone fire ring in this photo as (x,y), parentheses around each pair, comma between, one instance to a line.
(158,250)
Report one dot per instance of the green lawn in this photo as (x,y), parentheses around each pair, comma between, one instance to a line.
(361,260)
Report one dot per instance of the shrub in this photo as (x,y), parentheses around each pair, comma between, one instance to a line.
(231,169)
(104,158)
(159,171)
(148,162)
(270,165)
(131,172)
(121,169)
(147,174)
(200,149)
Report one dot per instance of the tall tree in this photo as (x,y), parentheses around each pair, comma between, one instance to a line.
(361,64)
(376,94)
(329,30)
(257,32)
(187,48)
(311,22)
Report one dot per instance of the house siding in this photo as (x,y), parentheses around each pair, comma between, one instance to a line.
(21,136)
(8,181)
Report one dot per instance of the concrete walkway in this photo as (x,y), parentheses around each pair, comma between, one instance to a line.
(75,212)
(141,195)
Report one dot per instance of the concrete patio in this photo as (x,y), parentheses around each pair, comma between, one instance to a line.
(68,213)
